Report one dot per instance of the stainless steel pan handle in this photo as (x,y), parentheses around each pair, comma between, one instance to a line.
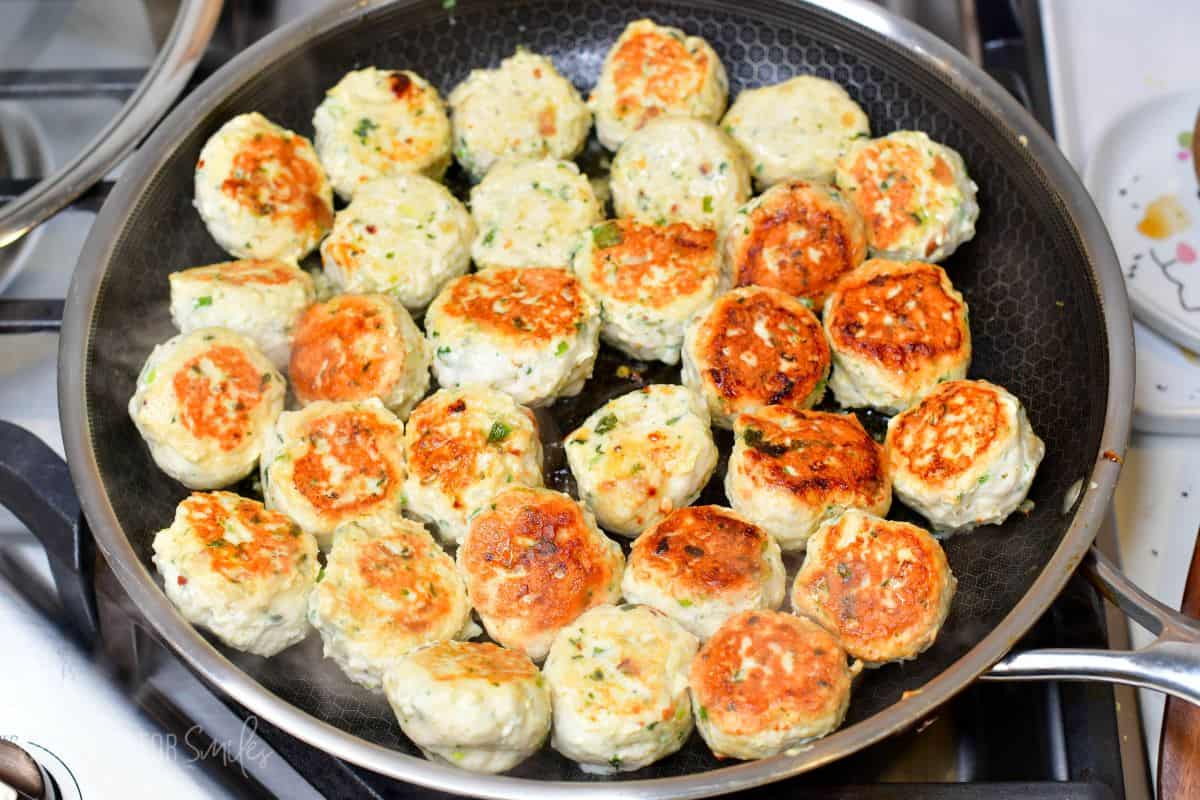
(1169,664)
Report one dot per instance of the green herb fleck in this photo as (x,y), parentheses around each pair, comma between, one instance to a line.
(843,571)
(984,478)
(606,423)
(364,127)
(683,601)
(321,573)
(707,204)
(562,348)
(753,437)
(201,302)
(499,432)
(489,237)
(703,713)
(607,235)
(597,674)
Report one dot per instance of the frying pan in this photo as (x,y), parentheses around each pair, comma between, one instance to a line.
(1048,315)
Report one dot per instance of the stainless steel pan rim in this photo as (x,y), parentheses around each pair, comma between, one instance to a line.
(224,675)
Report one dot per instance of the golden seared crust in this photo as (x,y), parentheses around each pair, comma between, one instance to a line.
(533,305)
(453,661)
(651,265)
(247,272)
(883,586)
(817,456)
(219,392)
(403,582)
(346,349)
(767,670)
(705,551)
(653,70)
(946,434)
(799,238)
(758,347)
(274,539)
(888,174)
(443,452)
(277,175)
(898,315)
(366,464)
(532,556)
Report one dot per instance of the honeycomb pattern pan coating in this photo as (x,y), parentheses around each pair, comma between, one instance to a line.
(1038,324)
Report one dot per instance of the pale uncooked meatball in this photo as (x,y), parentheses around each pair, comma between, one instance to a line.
(353,347)
(650,280)
(387,588)
(534,560)
(462,447)
(915,195)
(259,299)
(522,109)
(618,682)
(236,569)
(656,71)
(471,704)
(204,400)
(767,682)
(797,237)
(755,347)
(964,456)
(792,470)
(895,331)
(533,333)
(531,213)
(405,235)
(795,130)
(642,455)
(883,587)
(261,190)
(376,123)
(703,564)
(678,169)
(333,462)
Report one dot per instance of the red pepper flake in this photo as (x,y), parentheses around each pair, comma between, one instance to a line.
(200,164)
(371,229)
(1109,455)
(181,580)
(401,84)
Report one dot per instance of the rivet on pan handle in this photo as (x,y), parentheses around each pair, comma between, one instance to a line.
(1169,664)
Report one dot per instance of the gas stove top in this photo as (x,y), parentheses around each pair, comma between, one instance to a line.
(1038,740)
